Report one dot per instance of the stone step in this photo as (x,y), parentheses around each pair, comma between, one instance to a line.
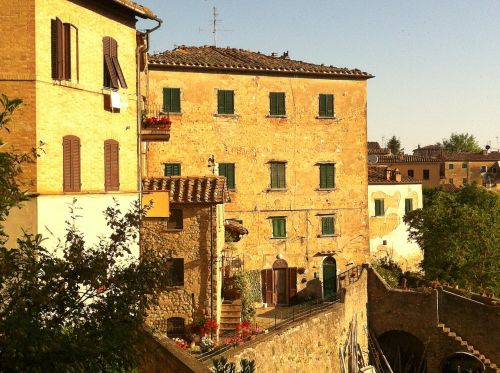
(231,312)
(231,308)
(458,338)
(470,348)
(230,320)
(486,361)
(441,325)
(452,334)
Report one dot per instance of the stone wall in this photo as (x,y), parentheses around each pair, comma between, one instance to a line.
(312,344)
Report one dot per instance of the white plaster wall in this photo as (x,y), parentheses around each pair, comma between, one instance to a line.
(54,211)
(407,254)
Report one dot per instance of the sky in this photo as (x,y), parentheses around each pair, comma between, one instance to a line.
(436,62)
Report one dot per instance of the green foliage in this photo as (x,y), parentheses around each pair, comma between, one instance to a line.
(461,142)
(221,365)
(394,144)
(390,271)
(460,234)
(243,283)
(255,285)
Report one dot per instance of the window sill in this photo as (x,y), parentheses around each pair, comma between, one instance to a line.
(236,116)
(327,118)
(277,116)
(378,216)
(278,238)
(325,189)
(164,113)
(173,230)
(276,190)
(327,235)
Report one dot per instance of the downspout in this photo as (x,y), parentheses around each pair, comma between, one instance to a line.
(211,267)
(139,50)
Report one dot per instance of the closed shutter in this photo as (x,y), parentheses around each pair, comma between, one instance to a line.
(267,285)
(329,106)
(408,205)
(71,164)
(279,227)
(379,207)
(67,51)
(327,176)
(172,100)
(225,102)
(227,170)
(110,78)
(172,169)
(116,63)
(278,177)
(322,105)
(166,99)
(292,283)
(229,102)
(281,104)
(327,226)
(220,102)
(111,165)
(273,104)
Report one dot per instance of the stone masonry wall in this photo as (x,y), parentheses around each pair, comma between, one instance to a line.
(311,345)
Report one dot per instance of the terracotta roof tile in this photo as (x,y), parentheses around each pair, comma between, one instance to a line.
(467,156)
(381,151)
(139,10)
(405,158)
(235,228)
(377,175)
(373,145)
(449,187)
(214,58)
(190,189)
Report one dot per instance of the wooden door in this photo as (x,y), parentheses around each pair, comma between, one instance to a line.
(329,277)
(281,286)
(267,286)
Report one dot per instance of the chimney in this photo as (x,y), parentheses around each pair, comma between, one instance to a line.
(285,56)
(401,156)
(274,54)
(388,174)
(485,151)
(396,175)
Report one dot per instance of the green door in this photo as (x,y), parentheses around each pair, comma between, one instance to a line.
(329,277)
(281,289)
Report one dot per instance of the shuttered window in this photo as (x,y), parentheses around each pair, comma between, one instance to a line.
(172,100)
(277,103)
(379,207)
(327,226)
(71,164)
(327,176)
(410,173)
(426,174)
(278,177)
(172,169)
(113,75)
(111,165)
(175,266)
(279,227)
(175,220)
(62,35)
(326,106)
(225,102)
(408,205)
(227,170)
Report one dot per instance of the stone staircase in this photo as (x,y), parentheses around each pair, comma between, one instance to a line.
(490,366)
(230,315)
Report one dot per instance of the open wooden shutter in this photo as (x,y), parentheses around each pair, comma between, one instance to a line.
(292,283)
(111,166)
(57,46)
(71,164)
(110,78)
(116,64)
(66,32)
(267,285)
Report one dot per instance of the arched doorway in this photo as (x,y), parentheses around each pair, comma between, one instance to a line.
(404,351)
(280,270)
(329,277)
(279,283)
(462,362)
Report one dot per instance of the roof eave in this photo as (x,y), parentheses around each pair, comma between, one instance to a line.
(138,11)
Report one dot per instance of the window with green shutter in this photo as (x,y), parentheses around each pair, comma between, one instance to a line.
(278,179)
(379,207)
(172,100)
(327,226)
(277,103)
(225,102)
(327,176)
(326,106)
(227,170)
(279,227)
(172,169)
(408,205)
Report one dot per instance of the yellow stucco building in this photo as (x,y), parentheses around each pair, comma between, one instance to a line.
(290,138)
(74,66)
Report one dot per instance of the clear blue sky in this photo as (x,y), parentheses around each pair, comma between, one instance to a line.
(436,62)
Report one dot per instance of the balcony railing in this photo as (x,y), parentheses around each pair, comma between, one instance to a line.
(155,129)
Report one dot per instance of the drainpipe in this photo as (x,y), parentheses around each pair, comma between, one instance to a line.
(211,267)
(139,50)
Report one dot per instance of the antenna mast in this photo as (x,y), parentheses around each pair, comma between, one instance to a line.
(214,26)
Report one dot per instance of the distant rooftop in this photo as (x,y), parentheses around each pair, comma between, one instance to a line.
(469,156)
(405,158)
(240,60)
(378,175)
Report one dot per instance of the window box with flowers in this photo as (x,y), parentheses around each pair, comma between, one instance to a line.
(156,129)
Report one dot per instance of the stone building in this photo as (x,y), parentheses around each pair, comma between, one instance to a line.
(73,63)
(390,196)
(193,237)
(465,168)
(290,138)
(426,169)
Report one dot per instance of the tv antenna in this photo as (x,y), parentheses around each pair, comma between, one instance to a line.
(215,23)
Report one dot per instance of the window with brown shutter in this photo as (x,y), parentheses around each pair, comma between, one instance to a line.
(111,165)
(71,164)
(63,36)
(113,74)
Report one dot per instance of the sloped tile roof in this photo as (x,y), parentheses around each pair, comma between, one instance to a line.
(190,189)
(240,60)
(468,156)
(373,145)
(139,10)
(405,158)
(381,151)
(235,228)
(377,175)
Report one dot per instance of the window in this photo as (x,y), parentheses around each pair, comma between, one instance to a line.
(411,173)
(227,170)
(175,266)
(483,168)
(426,174)
(225,102)
(277,104)
(172,169)
(450,166)
(327,176)
(379,207)
(113,75)
(111,166)
(175,220)
(172,100)
(175,327)
(464,165)
(71,164)
(278,179)
(465,181)
(450,180)
(64,50)
(408,205)
(326,106)
(327,226)
(279,227)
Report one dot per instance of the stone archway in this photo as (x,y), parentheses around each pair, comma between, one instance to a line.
(404,351)
(462,362)
(329,277)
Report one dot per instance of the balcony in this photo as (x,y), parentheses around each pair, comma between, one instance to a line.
(155,129)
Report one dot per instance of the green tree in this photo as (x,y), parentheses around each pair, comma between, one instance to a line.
(77,307)
(461,142)
(394,144)
(460,235)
